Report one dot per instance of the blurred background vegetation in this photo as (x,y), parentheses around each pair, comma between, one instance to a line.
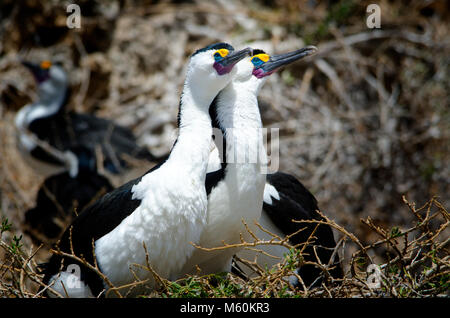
(362,123)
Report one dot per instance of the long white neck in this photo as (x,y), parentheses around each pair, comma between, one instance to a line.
(192,147)
(52,94)
(237,108)
(50,102)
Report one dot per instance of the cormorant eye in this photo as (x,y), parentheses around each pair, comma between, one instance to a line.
(220,54)
(46,65)
(257,61)
(260,59)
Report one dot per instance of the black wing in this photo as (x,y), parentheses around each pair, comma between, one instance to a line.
(297,203)
(85,134)
(214,177)
(59,196)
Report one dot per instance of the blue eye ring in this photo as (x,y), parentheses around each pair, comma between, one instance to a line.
(217,56)
(257,61)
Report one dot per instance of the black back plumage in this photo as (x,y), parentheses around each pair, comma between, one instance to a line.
(60,198)
(297,203)
(84,135)
(213,178)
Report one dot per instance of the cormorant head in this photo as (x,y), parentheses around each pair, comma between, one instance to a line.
(51,78)
(265,64)
(46,71)
(212,67)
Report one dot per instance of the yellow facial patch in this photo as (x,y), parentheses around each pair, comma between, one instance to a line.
(46,64)
(222,52)
(263,57)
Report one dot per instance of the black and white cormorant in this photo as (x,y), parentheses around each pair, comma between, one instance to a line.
(237,189)
(286,199)
(54,139)
(165,209)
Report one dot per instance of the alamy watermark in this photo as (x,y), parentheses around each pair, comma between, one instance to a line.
(374,276)
(259,146)
(374,18)
(373,21)
(73,280)
(73,20)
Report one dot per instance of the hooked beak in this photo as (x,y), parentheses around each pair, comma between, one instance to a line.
(39,74)
(277,61)
(34,68)
(225,65)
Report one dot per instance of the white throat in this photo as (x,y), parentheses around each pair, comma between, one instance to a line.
(239,196)
(49,104)
(237,108)
(192,147)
